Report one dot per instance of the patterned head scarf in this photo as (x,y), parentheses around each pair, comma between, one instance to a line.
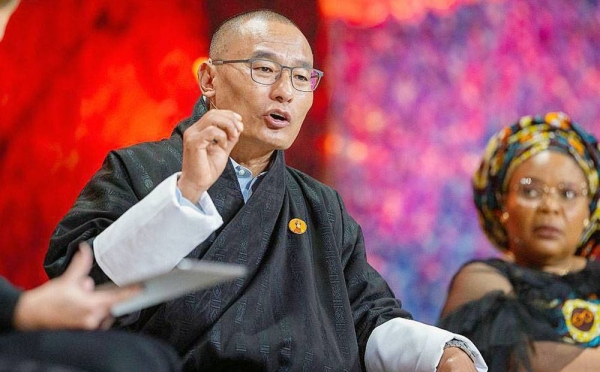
(517,143)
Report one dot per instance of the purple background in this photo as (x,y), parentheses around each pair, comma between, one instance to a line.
(413,103)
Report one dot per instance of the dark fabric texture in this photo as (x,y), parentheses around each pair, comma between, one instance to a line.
(97,351)
(9,295)
(310,301)
(113,190)
(505,327)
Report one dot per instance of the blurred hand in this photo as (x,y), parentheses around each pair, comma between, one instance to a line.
(454,360)
(70,301)
(206,148)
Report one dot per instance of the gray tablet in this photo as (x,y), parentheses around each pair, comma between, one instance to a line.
(188,276)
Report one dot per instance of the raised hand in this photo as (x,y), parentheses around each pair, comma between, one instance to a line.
(206,148)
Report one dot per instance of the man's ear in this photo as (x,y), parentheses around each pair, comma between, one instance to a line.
(205,78)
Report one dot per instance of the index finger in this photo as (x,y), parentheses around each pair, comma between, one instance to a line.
(81,264)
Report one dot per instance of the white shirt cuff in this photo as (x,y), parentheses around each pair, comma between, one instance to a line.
(407,345)
(155,234)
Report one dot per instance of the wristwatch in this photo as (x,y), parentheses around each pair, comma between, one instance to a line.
(455,342)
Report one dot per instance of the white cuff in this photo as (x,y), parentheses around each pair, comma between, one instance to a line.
(155,234)
(407,345)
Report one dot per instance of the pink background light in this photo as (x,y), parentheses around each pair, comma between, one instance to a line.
(411,93)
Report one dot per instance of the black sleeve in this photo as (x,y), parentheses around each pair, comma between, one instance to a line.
(102,201)
(372,300)
(126,177)
(9,295)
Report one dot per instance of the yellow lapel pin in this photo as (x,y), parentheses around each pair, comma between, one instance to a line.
(297,226)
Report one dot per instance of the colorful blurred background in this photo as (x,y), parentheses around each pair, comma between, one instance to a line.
(412,92)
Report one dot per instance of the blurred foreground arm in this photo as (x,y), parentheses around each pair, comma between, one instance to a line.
(69,301)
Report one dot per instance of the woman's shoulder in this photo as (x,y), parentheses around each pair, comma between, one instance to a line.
(490,271)
(487,265)
(476,279)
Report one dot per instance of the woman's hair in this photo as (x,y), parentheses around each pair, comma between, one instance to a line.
(513,145)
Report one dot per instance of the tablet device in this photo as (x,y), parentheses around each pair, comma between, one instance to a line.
(188,276)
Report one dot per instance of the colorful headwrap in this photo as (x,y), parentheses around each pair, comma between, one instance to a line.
(517,143)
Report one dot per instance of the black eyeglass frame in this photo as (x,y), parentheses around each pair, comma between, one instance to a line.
(250,61)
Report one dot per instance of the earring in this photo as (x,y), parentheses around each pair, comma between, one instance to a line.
(586,223)
(504,217)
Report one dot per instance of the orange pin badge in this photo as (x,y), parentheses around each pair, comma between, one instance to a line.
(297,226)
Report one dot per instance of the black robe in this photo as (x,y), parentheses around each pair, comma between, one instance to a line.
(9,296)
(310,301)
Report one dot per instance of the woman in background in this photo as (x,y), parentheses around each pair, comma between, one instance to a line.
(536,308)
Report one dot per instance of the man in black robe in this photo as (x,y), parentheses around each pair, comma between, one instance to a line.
(218,189)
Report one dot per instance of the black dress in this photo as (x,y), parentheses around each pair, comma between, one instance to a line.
(564,310)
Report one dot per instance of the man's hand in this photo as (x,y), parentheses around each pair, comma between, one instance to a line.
(70,301)
(206,148)
(454,360)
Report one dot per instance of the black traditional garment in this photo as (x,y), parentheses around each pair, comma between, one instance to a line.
(9,296)
(543,307)
(310,300)
(76,350)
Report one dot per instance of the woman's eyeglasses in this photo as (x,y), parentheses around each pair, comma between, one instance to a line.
(533,191)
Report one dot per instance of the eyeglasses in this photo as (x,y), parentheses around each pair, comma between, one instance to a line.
(532,191)
(263,71)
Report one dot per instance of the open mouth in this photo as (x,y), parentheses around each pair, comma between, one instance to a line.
(278,117)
